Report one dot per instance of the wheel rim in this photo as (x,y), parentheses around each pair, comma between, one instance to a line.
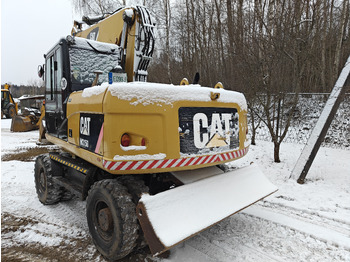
(104,220)
(12,112)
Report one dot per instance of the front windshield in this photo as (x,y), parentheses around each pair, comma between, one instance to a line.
(85,60)
(3,95)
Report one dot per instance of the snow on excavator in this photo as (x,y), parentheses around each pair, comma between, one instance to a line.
(146,157)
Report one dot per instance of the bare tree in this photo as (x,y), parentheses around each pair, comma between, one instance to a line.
(343,17)
(96,7)
(267,49)
(167,15)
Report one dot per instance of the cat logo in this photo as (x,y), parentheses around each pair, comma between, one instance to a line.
(85,125)
(218,134)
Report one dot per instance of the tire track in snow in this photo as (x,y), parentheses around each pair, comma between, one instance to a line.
(209,249)
(26,203)
(28,235)
(223,251)
(321,233)
(67,212)
(245,237)
(314,217)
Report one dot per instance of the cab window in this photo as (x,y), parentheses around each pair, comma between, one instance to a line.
(53,79)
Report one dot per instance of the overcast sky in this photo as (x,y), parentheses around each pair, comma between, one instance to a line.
(29,28)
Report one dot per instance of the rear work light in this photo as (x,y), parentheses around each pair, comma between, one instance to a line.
(125,140)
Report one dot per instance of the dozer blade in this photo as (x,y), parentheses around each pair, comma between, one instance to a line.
(175,215)
(24,123)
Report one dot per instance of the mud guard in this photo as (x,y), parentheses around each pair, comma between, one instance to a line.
(170,217)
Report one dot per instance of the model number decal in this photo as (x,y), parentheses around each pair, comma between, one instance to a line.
(84,143)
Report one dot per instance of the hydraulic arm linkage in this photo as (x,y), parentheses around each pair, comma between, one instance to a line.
(132,29)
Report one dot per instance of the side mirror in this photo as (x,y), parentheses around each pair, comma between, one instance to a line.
(41,71)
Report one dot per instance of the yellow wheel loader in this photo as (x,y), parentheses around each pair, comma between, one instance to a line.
(30,117)
(26,121)
(9,107)
(146,157)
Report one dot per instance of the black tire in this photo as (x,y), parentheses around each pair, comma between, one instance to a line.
(136,187)
(66,195)
(112,219)
(48,192)
(11,111)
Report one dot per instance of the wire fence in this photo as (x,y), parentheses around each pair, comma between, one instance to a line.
(308,111)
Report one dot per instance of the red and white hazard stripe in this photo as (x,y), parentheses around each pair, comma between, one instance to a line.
(171,163)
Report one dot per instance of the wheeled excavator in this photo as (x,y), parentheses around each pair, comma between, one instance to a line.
(148,158)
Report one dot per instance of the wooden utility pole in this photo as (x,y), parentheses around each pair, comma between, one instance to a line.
(320,130)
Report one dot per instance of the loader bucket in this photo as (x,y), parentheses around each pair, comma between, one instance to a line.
(24,123)
(173,216)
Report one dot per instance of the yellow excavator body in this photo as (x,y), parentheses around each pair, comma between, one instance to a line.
(152,125)
(185,131)
(147,157)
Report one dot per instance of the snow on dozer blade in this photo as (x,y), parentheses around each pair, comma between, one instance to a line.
(175,215)
(24,123)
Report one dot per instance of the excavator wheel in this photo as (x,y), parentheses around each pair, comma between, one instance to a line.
(136,187)
(11,112)
(48,192)
(66,195)
(112,219)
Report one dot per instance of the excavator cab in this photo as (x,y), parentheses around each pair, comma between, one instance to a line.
(74,64)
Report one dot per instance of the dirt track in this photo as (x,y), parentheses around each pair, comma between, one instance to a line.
(17,251)
(69,249)
(78,247)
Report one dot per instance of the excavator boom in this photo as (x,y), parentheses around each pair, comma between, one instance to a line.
(135,36)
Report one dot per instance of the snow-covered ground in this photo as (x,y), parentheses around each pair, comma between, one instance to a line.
(309,222)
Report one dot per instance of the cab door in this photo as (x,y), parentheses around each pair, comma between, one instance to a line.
(54,113)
